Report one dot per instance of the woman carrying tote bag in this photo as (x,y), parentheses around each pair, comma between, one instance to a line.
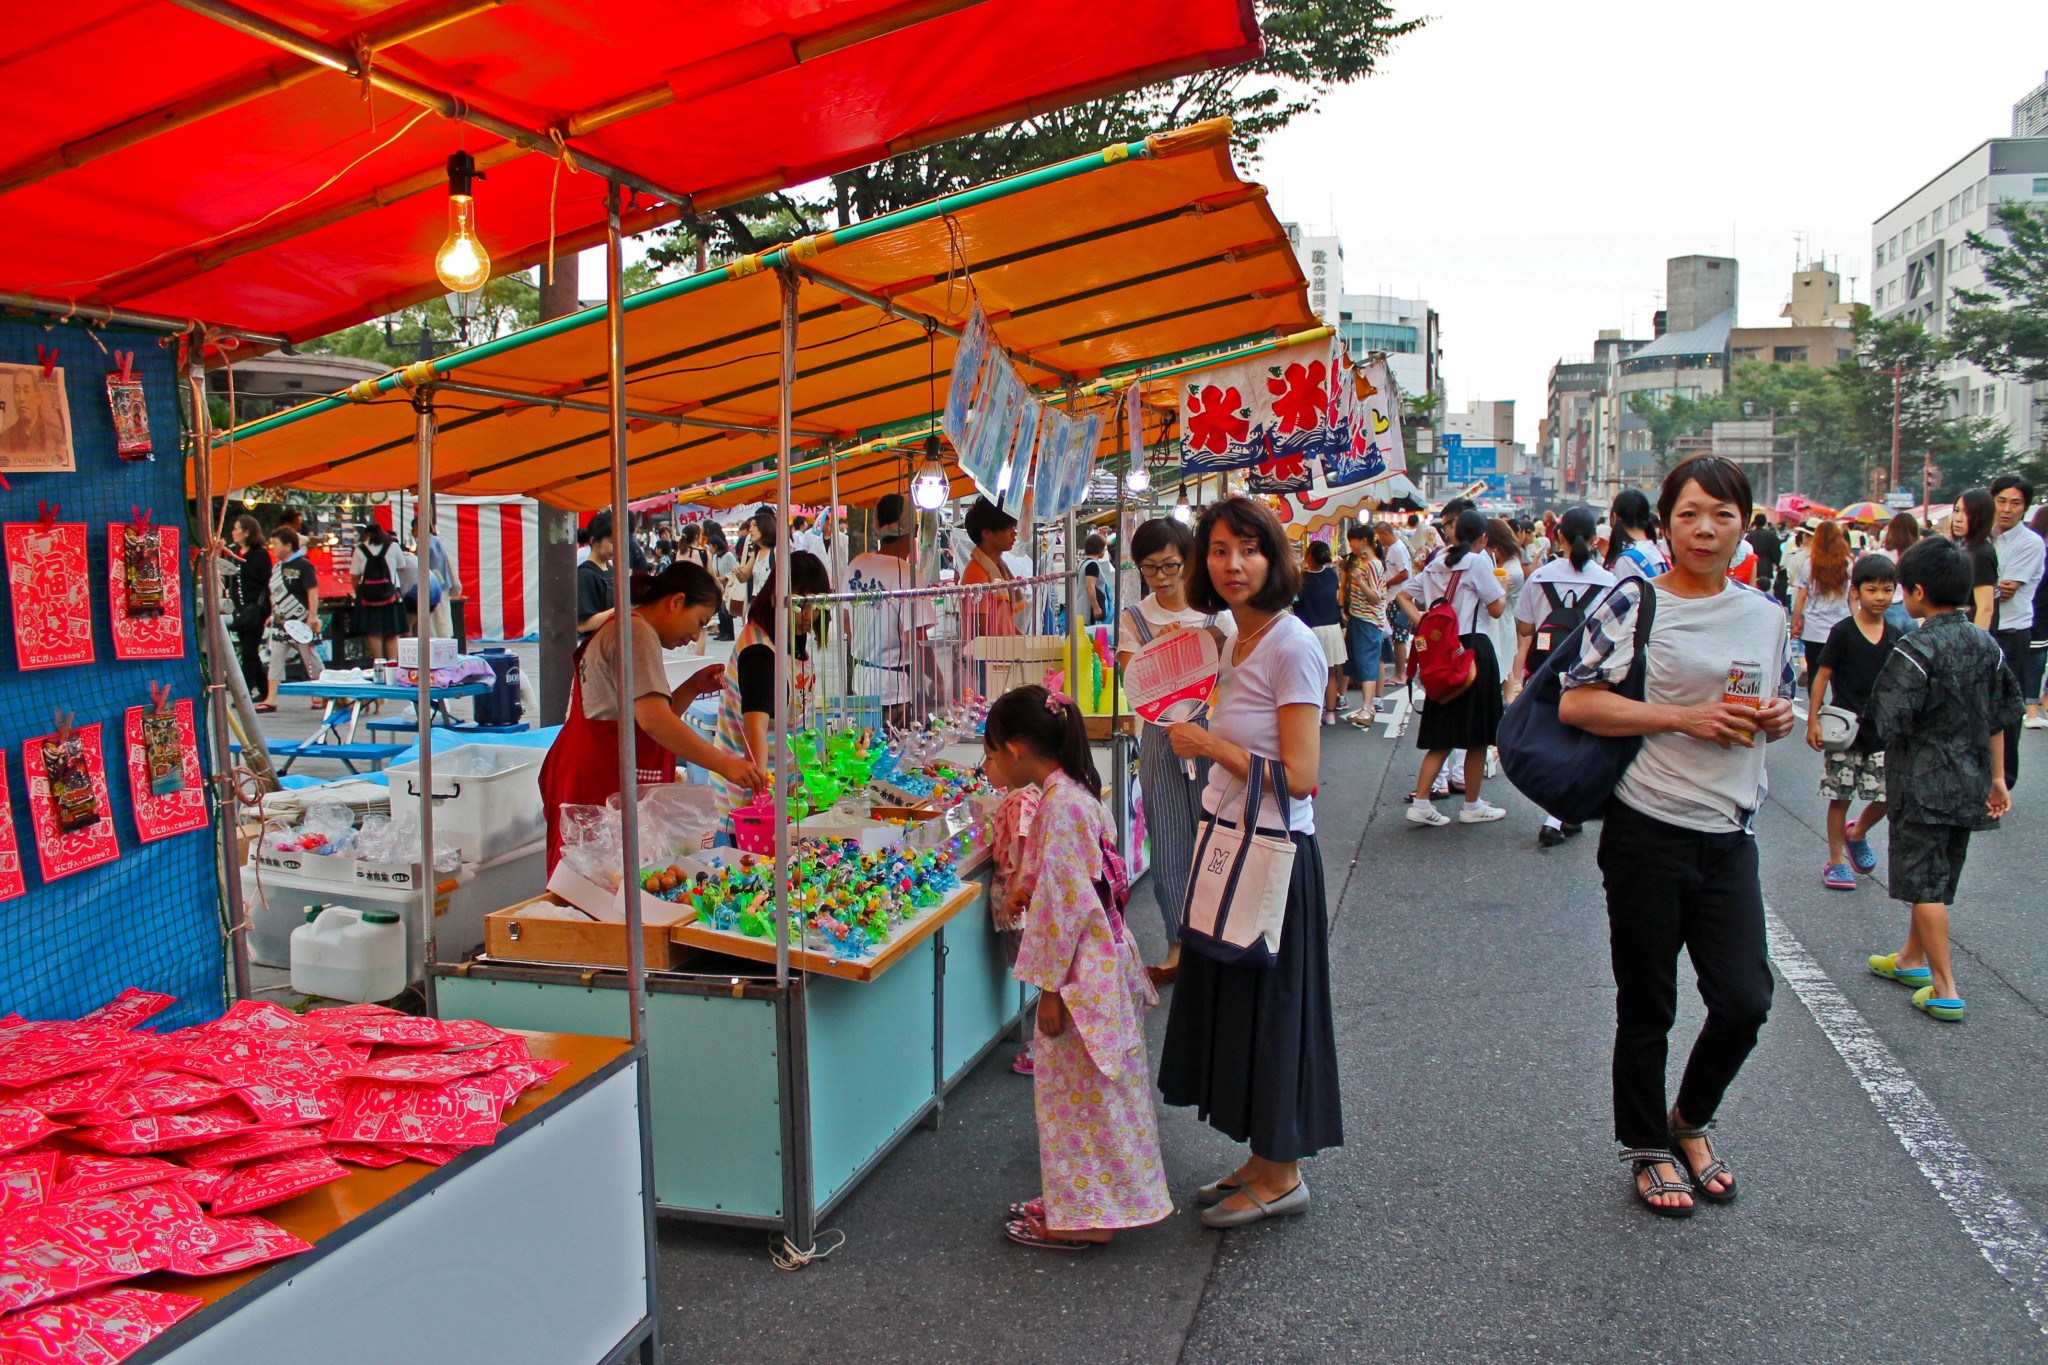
(1253,1048)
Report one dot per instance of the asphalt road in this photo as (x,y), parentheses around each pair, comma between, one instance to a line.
(1893,1196)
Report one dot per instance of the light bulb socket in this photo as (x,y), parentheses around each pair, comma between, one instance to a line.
(463,174)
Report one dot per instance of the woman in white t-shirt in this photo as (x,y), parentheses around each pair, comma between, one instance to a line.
(1463,574)
(1169,787)
(1677,855)
(1575,579)
(1253,1048)
(1820,588)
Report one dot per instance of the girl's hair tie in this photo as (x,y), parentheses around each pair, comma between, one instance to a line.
(1057,701)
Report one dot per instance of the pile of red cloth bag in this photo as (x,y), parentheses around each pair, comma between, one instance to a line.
(124,1152)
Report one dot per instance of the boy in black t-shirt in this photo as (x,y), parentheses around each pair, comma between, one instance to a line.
(1844,674)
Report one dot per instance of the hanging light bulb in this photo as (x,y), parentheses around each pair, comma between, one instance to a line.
(462,264)
(1183,510)
(1138,480)
(931,486)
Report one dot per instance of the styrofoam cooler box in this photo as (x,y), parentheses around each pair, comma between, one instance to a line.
(440,652)
(485,816)
(277,905)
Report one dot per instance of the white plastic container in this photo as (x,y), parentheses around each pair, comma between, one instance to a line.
(440,652)
(350,954)
(277,908)
(484,814)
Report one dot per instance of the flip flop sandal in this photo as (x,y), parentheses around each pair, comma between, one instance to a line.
(1948,1009)
(1715,1169)
(1647,1159)
(1887,965)
(266,706)
(1029,1232)
(1030,1209)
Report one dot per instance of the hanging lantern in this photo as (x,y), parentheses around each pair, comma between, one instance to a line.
(931,487)
(462,264)
(1183,510)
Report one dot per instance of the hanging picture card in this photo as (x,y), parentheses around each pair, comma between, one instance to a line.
(67,801)
(35,419)
(46,581)
(146,611)
(11,881)
(163,771)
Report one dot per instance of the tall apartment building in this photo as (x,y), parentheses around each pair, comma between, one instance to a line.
(1579,430)
(2030,115)
(1920,258)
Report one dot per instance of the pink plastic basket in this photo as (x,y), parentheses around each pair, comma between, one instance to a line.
(753,829)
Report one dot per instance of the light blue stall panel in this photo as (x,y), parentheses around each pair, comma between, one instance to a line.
(870,1064)
(980,997)
(712,1081)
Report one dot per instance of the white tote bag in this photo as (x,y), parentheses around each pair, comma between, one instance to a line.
(1237,892)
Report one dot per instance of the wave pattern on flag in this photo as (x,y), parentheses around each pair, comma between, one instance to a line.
(1277,415)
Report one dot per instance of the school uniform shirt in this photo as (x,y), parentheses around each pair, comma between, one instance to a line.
(1642,559)
(2022,558)
(1477,587)
(1577,587)
(1856,661)
(1692,783)
(881,630)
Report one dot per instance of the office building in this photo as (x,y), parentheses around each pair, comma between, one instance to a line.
(1406,330)
(2030,115)
(1921,258)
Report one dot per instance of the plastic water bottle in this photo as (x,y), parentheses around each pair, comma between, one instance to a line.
(342,953)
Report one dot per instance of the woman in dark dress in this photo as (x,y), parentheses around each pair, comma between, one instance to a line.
(250,591)
(1974,524)
(1253,1049)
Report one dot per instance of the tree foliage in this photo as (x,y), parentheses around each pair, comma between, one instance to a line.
(2004,329)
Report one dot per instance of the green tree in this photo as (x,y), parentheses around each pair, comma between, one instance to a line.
(2004,329)
(510,302)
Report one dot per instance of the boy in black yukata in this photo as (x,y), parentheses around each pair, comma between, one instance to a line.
(1846,670)
(1942,704)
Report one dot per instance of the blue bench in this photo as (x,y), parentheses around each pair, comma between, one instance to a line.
(459,728)
(348,755)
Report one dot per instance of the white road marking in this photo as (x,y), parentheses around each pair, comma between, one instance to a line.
(1797,712)
(2008,1239)
(1395,717)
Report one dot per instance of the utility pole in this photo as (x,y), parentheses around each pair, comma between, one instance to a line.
(1898,372)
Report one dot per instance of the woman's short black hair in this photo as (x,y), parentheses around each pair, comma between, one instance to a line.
(1720,479)
(1319,553)
(1940,568)
(686,577)
(1160,533)
(806,570)
(985,518)
(1094,545)
(1874,568)
(285,536)
(1255,521)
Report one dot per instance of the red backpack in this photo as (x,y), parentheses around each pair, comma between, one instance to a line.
(1438,655)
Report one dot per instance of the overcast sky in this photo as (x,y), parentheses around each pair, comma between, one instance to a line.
(1528,168)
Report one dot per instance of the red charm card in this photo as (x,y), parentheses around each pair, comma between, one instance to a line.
(12,883)
(263,1183)
(130,1009)
(145,609)
(67,802)
(46,580)
(163,772)
(93,1329)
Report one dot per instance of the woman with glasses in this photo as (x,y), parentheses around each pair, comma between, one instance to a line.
(1166,786)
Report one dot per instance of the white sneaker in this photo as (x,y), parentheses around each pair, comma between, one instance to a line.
(1478,813)
(1427,815)
(2036,722)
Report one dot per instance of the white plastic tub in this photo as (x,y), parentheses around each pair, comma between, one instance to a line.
(485,814)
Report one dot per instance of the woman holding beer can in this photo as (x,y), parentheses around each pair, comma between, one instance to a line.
(1678,856)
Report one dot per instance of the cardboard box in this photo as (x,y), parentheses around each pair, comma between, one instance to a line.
(605,902)
(319,867)
(440,652)
(545,929)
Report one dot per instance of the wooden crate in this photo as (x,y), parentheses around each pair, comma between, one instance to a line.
(692,934)
(549,929)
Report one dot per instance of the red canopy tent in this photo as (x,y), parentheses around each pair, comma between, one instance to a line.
(282,169)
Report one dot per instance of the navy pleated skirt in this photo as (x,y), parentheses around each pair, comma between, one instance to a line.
(1255,1051)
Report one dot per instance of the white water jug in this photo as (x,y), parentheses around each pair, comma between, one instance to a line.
(343,953)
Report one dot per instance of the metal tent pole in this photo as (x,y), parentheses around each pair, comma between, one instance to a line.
(423,703)
(219,657)
(629,767)
(843,616)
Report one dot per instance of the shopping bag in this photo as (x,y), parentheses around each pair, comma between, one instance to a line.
(1237,894)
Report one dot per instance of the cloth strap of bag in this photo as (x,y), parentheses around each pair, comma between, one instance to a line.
(1249,825)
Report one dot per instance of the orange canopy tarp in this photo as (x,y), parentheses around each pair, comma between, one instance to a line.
(1143,252)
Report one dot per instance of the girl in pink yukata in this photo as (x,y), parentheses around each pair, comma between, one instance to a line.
(1098,1138)
(1015,870)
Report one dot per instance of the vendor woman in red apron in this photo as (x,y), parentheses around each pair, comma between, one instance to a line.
(582,766)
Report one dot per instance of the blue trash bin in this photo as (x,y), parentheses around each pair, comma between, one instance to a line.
(500,705)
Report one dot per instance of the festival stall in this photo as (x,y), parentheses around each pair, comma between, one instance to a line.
(327,212)
(800,1025)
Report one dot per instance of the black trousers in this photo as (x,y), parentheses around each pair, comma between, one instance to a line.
(249,644)
(2016,645)
(1671,889)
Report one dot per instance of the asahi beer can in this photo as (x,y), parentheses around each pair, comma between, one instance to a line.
(1745,684)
